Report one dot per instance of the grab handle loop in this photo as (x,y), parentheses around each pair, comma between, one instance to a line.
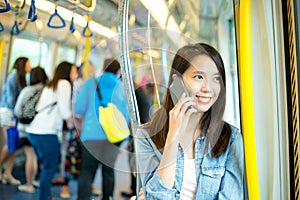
(1,27)
(56,15)
(72,25)
(32,14)
(15,29)
(6,8)
(87,32)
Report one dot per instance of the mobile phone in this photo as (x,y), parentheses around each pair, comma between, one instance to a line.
(176,89)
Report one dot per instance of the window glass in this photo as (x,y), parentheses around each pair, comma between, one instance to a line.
(65,53)
(36,52)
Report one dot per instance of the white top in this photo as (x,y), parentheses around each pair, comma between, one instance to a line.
(189,184)
(24,95)
(50,120)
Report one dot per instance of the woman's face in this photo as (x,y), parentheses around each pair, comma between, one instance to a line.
(73,73)
(203,82)
(27,66)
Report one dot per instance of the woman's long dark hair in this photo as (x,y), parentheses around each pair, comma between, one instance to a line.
(217,132)
(38,75)
(62,72)
(19,65)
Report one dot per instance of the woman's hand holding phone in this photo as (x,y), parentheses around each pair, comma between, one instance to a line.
(179,116)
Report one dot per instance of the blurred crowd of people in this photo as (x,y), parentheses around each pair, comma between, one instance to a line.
(67,105)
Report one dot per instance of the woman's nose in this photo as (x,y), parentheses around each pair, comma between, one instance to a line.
(205,86)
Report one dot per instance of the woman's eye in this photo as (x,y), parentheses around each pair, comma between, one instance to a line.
(199,77)
(217,78)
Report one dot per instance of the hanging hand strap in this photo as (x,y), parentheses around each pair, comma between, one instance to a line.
(1,27)
(6,8)
(32,14)
(56,15)
(72,25)
(15,29)
(87,31)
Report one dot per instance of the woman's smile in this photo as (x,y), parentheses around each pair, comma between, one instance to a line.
(203,99)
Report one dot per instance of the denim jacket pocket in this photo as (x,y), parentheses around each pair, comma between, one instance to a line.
(211,179)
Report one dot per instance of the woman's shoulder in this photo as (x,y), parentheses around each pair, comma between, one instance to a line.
(143,132)
(63,82)
(12,78)
(235,132)
(142,129)
(145,141)
(63,85)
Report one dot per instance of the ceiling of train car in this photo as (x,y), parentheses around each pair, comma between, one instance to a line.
(195,18)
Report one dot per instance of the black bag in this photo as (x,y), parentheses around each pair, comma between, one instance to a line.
(28,111)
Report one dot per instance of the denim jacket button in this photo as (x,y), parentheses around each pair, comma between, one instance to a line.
(198,146)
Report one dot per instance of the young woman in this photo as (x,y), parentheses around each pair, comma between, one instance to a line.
(15,82)
(38,79)
(43,130)
(187,151)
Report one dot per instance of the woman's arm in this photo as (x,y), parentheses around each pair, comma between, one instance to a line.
(148,160)
(64,99)
(12,91)
(20,99)
(181,131)
(83,97)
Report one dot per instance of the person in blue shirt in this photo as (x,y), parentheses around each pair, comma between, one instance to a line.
(187,151)
(95,146)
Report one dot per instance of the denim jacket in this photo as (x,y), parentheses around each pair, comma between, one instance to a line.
(10,91)
(217,178)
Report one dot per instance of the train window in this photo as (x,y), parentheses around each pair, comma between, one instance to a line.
(36,52)
(65,53)
(158,29)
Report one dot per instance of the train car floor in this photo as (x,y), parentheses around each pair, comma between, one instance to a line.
(122,181)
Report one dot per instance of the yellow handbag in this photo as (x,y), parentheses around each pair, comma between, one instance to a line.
(113,123)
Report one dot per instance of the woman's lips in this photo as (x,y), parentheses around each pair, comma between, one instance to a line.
(203,100)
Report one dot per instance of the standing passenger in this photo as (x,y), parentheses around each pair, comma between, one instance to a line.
(38,79)
(187,151)
(15,82)
(55,106)
(74,137)
(96,148)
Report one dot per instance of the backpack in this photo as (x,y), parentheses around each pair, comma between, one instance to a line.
(112,121)
(28,111)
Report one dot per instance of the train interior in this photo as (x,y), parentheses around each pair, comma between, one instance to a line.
(145,35)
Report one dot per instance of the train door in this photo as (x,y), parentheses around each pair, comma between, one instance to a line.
(152,32)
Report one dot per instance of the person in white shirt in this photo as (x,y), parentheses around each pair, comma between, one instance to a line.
(42,131)
(38,79)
